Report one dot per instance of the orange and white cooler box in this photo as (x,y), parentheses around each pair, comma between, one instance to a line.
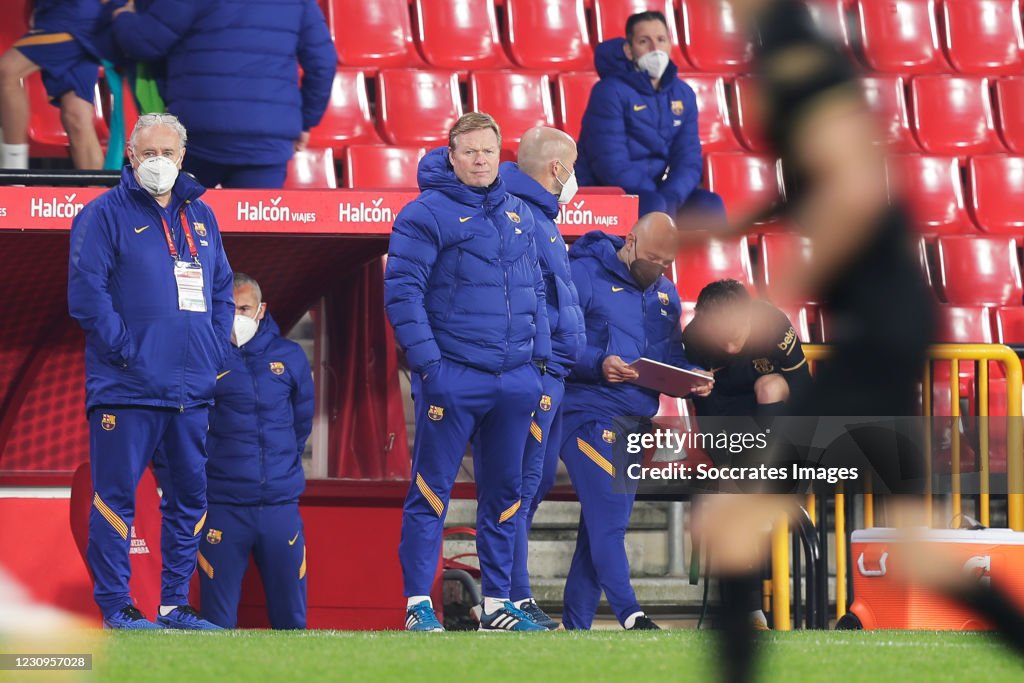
(884,598)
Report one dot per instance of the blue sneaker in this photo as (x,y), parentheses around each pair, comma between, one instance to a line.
(539,616)
(508,618)
(421,617)
(128,618)
(185,618)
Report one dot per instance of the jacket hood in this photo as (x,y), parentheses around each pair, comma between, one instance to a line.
(186,187)
(611,62)
(526,188)
(435,172)
(603,248)
(266,333)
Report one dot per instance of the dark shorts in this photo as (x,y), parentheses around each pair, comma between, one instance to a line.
(726,405)
(65,64)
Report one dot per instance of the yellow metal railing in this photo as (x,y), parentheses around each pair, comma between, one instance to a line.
(981,355)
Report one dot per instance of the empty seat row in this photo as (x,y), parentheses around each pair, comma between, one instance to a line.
(979,324)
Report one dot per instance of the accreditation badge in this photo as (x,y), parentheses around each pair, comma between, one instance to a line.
(189,279)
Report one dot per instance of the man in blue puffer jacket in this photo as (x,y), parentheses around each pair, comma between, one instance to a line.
(149,283)
(544,178)
(232,79)
(639,130)
(258,429)
(631,310)
(465,294)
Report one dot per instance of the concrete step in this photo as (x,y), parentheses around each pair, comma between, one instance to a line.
(652,592)
(556,515)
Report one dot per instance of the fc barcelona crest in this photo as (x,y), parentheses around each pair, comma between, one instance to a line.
(108,422)
(512,216)
(763,365)
(213,536)
(677,107)
(545,403)
(608,436)
(663,298)
(277,367)
(435,413)
(200,229)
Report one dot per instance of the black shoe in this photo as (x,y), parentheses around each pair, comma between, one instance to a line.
(539,616)
(644,623)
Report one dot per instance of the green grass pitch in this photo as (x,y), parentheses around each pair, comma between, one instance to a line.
(563,657)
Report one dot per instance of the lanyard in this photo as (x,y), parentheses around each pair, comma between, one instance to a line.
(188,238)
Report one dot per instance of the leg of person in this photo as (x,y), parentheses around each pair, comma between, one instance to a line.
(771,392)
(227,541)
(210,174)
(75,89)
(498,465)
(184,515)
(14,112)
(446,417)
(534,462)
(281,558)
(255,177)
(582,592)
(606,512)
(121,444)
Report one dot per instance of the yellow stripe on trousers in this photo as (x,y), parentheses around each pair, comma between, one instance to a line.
(592,453)
(429,494)
(119,526)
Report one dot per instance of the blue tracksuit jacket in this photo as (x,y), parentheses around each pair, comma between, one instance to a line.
(462,280)
(632,134)
(621,320)
(140,349)
(231,73)
(260,422)
(565,317)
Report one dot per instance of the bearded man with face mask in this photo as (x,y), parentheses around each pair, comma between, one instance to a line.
(261,419)
(631,310)
(150,285)
(639,130)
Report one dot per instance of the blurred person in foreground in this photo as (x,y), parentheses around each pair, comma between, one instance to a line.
(149,282)
(259,424)
(544,178)
(464,292)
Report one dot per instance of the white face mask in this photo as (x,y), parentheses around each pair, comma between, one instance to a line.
(569,187)
(654,63)
(245,328)
(157,175)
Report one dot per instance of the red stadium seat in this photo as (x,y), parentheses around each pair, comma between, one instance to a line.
(979,271)
(962,325)
(610,21)
(347,119)
(984,36)
(900,36)
(1010,99)
(886,97)
(373,34)
(933,192)
(548,34)
(799,318)
(311,169)
(459,34)
(46,134)
(518,101)
(953,115)
(830,17)
(748,114)
(417,107)
(713,121)
(747,183)
(713,37)
(573,95)
(702,261)
(781,253)
(997,194)
(1009,324)
(377,166)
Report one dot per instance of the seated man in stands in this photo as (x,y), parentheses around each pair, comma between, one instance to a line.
(639,130)
(751,348)
(59,43)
